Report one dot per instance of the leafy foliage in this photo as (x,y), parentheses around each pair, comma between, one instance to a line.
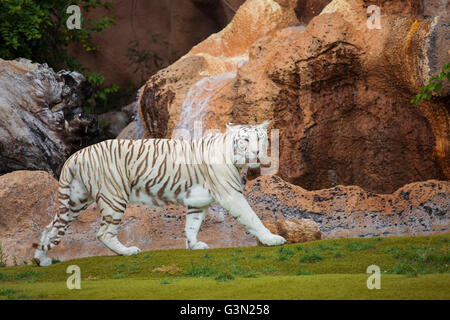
(311,258)
(420,259)
(99,101)
(224,276)
(36,30)
(434,85)
(302,272)
(358,246)
(145,63)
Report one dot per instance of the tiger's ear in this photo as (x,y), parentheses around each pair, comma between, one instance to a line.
(264,125)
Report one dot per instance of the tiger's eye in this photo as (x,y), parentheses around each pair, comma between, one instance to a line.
(242,145)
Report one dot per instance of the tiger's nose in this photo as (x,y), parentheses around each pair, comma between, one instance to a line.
(254,150)
(254,154)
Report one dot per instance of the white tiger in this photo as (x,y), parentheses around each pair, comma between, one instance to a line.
(157,172)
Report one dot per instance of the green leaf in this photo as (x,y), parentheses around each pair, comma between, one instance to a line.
(435,84)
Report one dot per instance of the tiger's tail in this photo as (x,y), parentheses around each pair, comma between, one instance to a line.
(70,206)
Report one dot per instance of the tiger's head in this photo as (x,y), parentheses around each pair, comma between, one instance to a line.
(250,143)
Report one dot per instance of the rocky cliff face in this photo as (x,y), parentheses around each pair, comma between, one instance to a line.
(164,29)
(349,211)
(41,118)
(28,202)
(339,91)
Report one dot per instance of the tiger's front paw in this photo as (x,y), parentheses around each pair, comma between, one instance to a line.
(272,240)
(131,250)
(43,262)
(41,259)
(200,245)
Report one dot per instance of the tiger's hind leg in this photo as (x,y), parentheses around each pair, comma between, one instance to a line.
(109,229)
(194,219)
(73,200)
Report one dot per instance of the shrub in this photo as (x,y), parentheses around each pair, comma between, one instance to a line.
(359,246)
(258,256)
(434,85)
(224,276)
(165,282)
(250,274)
(420,259)
(285,250)
(324,247)
(204,270)
(36,30)
(4,277)
(311,258)
(10,294)
(28,274)
(302,272)
(285,253)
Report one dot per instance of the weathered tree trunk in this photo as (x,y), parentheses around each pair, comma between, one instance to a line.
(41,118)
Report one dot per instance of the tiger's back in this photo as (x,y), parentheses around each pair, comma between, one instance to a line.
(153,171)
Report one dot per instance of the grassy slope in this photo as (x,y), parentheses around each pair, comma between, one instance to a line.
(412,267)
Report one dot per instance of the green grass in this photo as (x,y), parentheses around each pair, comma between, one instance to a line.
(311,258)
(412,268)
(12,294)
(164,281)
(302,272)
(359,246)
(224,276)
(338,255)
